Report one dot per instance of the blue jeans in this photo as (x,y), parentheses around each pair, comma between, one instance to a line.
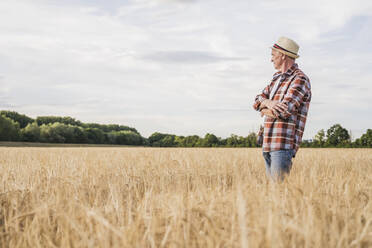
(278,163)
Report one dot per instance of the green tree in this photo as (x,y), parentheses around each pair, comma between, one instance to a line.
(110,127)
(9,129)
(51,133)
(210,140)
(31,133)
(95,135)
(54,119)
(232,141)
(180,141)
(192,141)
(79,135)
(162,140)
(168,141)
(365,140)
(125,138)
(251,140)
(155,139)
(23,120)
(62,133)
(319,139)
(337,136)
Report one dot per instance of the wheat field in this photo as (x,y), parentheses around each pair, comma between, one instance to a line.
(180,197)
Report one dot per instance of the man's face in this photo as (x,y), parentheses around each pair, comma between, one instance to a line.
(276,58)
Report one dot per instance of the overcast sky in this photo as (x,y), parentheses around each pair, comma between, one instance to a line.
(183,66)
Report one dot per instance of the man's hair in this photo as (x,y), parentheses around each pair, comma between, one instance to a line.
(286,56)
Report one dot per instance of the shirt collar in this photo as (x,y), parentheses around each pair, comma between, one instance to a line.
(286,74)
(291,70)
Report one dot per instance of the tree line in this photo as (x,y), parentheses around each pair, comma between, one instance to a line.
(337,136)
(56,129)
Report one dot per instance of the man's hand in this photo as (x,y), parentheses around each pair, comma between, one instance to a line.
(268,103)
(276,107)
(279,108)
(267,112)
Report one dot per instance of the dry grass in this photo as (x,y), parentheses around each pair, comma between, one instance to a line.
(143,197)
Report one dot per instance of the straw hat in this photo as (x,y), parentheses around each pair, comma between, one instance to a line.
(287,46)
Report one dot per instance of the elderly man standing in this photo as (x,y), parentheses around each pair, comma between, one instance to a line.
(284,103)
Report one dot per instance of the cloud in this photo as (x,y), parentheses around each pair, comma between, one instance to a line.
(188,57)
(223,110)
(178,1)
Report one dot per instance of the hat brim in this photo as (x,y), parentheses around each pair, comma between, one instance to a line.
(286,53)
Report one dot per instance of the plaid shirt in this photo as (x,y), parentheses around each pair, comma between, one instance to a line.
(286,130)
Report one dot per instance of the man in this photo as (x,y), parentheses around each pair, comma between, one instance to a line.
(284,103)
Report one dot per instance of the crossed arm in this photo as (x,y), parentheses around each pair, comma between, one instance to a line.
(271,108)
(288,106)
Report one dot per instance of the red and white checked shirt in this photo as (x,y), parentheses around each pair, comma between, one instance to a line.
(286,130)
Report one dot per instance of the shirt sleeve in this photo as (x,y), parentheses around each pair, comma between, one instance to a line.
(261,97)
(298,89)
